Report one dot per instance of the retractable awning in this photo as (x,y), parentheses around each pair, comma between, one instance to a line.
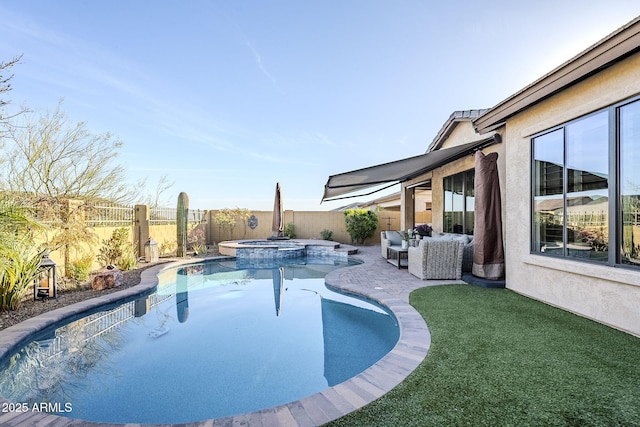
(398,171)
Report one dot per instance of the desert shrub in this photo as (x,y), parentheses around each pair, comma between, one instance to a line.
(196,241)
(79,268)
(118,250)
(290,230)
(326,234)
(361,224)
(228,219)
(128,260)
(168,247)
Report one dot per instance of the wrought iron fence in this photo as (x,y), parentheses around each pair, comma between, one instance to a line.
(109,214)
(159,215)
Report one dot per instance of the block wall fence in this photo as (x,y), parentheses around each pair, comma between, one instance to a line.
(307,225)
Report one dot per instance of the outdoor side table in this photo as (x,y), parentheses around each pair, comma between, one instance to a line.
(396,255)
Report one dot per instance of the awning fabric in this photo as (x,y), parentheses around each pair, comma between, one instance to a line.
(397,171)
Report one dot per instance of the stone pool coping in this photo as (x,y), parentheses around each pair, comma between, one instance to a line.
(383,285)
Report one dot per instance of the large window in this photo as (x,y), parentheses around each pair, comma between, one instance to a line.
(586,187)
(459,203)
(629,218)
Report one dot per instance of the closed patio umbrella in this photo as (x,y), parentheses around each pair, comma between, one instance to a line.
(277,226)
(488,250)
(278,287)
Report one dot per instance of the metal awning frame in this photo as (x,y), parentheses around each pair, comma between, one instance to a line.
(397,171)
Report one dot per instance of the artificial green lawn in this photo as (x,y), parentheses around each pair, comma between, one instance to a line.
(500,359)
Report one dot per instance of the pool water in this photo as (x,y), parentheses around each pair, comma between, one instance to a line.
(215,339)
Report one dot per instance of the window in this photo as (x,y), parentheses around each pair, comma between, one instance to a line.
(629,120)
(586,188)
(459,203)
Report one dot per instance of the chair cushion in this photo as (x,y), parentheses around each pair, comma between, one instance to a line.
(394,237)
(453,236)
(463,237)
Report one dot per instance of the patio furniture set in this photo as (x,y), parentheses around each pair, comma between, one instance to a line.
(440,256)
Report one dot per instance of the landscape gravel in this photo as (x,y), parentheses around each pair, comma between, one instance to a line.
(31,308)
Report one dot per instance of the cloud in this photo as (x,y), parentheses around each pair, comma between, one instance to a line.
(261,67)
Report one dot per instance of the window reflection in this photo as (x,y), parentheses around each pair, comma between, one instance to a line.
(459,202)
(630,182)
(587,145)
(571,190)
(548,152)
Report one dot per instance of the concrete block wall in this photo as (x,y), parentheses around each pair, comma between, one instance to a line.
(308,225)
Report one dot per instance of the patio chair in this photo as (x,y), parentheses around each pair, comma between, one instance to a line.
(389,238)
(436,259)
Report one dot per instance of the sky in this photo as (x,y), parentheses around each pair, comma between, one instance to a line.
(227,98)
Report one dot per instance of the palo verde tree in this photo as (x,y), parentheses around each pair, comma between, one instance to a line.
(63,160)
(55,161)
(5,87)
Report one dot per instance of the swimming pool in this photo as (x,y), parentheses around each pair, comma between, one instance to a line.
(215,339)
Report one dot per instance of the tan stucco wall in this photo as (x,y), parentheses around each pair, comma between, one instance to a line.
(308,225)
(608,295)
(463,134)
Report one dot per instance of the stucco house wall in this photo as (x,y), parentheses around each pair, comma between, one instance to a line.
(463,133)
(606,294)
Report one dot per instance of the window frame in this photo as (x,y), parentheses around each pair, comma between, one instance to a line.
(614,206)
(463,176)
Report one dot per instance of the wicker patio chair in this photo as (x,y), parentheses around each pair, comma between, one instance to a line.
(436,259)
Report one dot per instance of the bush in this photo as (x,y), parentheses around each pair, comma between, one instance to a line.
(361,224)
(168,247)
(326,234)
(19,265)
(118,250)
(290,230)
(128,260)
(196,239)
(79,268)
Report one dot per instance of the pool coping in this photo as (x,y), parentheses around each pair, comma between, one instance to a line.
(316,409)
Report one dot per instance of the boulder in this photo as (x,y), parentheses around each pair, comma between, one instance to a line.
(107,279)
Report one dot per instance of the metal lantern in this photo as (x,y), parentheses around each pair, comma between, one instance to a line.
(151,251)
(45,285)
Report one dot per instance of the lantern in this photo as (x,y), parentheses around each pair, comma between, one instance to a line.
(44,285)
(151,251)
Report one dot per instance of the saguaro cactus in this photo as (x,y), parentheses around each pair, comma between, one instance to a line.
(182,217)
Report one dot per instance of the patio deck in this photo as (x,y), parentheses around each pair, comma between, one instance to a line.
(375,278)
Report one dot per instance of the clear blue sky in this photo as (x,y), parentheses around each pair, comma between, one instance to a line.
(229,97)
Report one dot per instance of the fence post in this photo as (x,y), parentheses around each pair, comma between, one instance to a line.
(141,228)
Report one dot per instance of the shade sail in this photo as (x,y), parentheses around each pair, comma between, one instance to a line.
(397,171)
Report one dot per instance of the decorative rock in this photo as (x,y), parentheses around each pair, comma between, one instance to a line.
(107,279)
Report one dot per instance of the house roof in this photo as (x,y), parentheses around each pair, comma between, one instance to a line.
(615,47)
(454,119)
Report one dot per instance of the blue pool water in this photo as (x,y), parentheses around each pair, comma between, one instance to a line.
(215,339)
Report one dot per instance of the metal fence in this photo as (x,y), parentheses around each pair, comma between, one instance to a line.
(160,216)
(107,214)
